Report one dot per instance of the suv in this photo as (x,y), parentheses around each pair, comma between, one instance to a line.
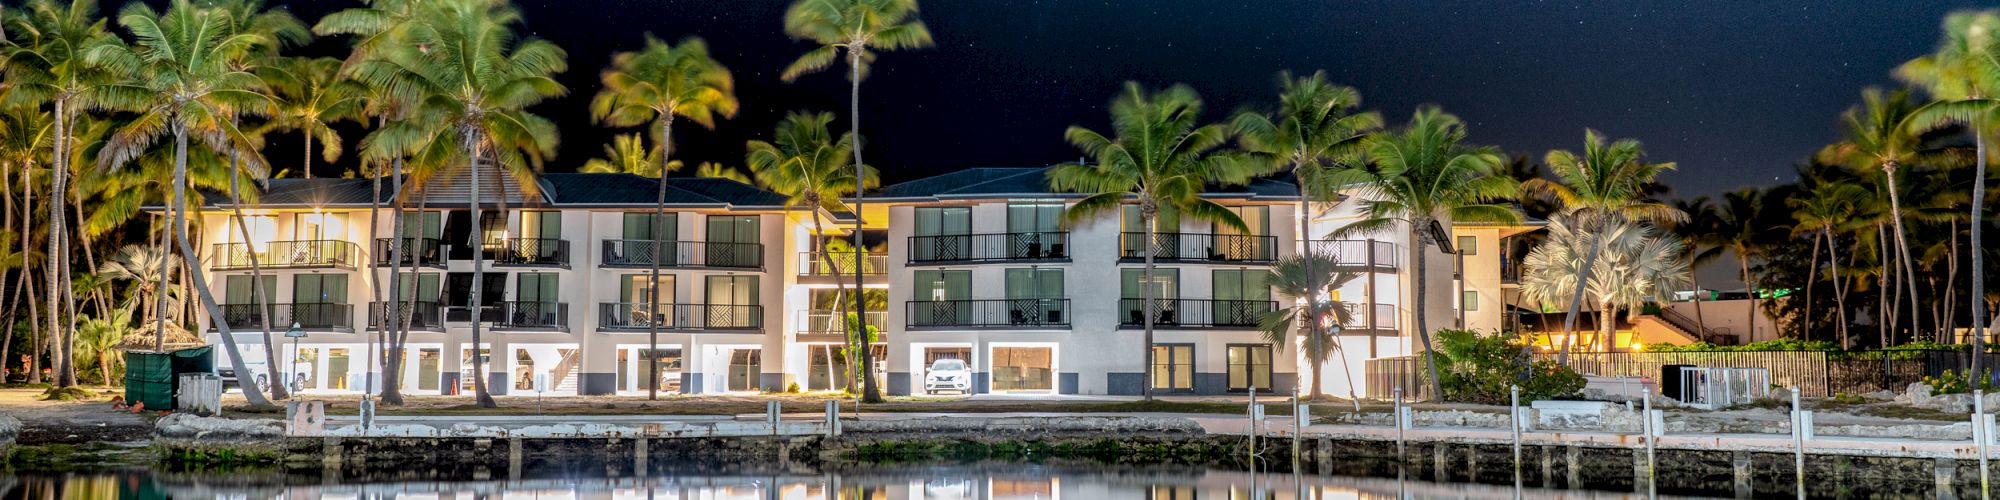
(948,375)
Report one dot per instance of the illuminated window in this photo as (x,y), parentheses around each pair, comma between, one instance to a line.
(1468,245)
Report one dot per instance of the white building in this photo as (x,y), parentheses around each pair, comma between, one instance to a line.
(977,266)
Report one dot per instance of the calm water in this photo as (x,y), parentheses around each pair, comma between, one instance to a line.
(975,481)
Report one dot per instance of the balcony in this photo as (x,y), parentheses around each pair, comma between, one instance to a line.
(1356,253)
(824,323)
(302,254)
(1194,313)
(309,316)
(529,315)
(872,264)
(1386,319)
(1510,271)
(998,247)
(529,252)
(682,254)
(417,252)
(988,313)
(422,316)
(1199,247)
(639,316)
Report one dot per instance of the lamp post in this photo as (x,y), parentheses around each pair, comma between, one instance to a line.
(292,365)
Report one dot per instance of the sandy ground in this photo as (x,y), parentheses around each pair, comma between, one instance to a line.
(47,422)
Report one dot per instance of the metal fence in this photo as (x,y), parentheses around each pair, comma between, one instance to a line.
(1815,373)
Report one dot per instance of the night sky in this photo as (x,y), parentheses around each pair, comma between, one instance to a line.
(1736,92)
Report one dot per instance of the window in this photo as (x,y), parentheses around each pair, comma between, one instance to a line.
(1173,367)
(239,289)
(541,224)
(942,233)
(319,289)
(1249,366)
(938,221)
(732,241)
(940,298)
(1242,296)
(1034,296)
(1128,221)
(422,286)
(1232,244)
(648,227)
(636,288)
(1470,302)
(423,225)
(263,229)
(1257,217)
(1034,217)
(1166,286)
(536,287)
(732,301)
(318,226)
(1468,245)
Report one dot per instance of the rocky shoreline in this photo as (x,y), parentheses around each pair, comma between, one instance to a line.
(10,429)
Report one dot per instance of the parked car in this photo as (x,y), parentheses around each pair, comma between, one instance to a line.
(229,379)
(948,375)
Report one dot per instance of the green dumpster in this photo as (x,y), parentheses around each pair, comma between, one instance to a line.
(153,377)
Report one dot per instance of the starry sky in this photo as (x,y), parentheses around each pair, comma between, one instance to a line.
(1735,92)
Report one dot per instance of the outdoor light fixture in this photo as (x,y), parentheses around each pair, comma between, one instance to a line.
(295,334)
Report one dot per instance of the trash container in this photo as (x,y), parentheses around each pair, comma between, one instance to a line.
(153,377)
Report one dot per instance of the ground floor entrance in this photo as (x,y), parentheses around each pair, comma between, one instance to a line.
(1022,368)
(636,365)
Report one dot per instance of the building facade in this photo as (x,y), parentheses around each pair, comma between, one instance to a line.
(978,266)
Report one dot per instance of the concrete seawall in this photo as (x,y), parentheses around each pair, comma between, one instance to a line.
(10,429)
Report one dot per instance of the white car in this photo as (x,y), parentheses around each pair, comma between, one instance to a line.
(948,375)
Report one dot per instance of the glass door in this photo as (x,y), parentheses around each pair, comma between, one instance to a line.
(1166,286)
(732,241)
(649,236)
(1173,367)
(1034,296)
(638,307)
(1242,296)
(942,298)
(732,301)
(942,233)
(317,300)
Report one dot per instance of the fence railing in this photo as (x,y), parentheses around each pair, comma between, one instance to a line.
(1355,253)
(533,315)
(824,322)
(427,252)
(988,313)
(427,316)
(642,253)
(1025,246)
(642,316)
(1200,247)
(310,316)
(1194,313)
(1385,318)
(288,254)
(529,252)
(872,264)
(1815,373)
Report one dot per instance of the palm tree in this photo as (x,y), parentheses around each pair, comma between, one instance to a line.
(1962,77)
(24,132)
(312,96)
(1314,130)
(714,170)
(655,85)
(1604,187)
(861,28)
(628,154)
(99,337)
(1635,264)
(1878,135)
(1739,227)
(1310,278)
(1162,157)
(461,63)
(1698,235)
(182,83)
(1421,175)
(1829,207)
(811,169)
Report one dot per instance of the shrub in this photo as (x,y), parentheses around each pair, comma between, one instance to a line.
(1480,368)
(1959,382)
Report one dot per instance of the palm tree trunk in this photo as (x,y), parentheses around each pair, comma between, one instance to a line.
(400,347)
(188,255)
(1694,278)
(1743,259)
(380,322)
(1312,299)
(653,287)
(13,301)
(1949,324)
(1576,300)
(166,271)
(1147,213)
(478,276)
(308,163)
(1978,263)
(1902,245)
(869,392)
(1839,291)
(52,260)
(392,356)
(1812,271)
(853,339)
(1418,235)
(256,287)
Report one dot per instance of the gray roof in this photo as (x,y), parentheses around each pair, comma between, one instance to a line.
(996,182)
(561,189)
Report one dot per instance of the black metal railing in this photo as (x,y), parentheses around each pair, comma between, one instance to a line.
(1194,313)
(1510,270)
(425,252)
(872,264)
(1385,317)
(427,316)
(997,247)
(310,316)
(529,252)
(1355,253)
(532,315)
(1202,247)
(288,254)
(988,313)
(642,253)
(824,322)
(642,316)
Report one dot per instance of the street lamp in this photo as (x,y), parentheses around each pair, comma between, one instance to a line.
(291,367)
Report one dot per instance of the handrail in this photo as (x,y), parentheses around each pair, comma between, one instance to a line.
(308,315)
(1208,247)
(530,251)
(642,253)
(990,247)
(987,313)
(416,251)
(422,315)
(642,316)
(872,264)
(533,314)
(288,254)
(1195,313)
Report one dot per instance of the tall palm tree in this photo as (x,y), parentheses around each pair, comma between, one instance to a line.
(1635,264)
(1604,187)
(1159,155)
(807,165)
(1739,226)
(182,83)
(860,28)
(1830,206)
(714,170)
(1422,174)
(1878,135)
(1963,77)
(1314,130)
(24,133)
(628,154)
(1310,278)
(655,85)
(312,96)
(460,61)
(1698,236)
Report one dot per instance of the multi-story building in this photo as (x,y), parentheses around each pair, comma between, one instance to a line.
(977,265)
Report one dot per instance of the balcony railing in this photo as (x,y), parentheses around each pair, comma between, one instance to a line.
(1355,253)
(309,316)
(288,254)
(1510,270)
(426,316)
(532,315)
(422,252)
(548,252)
(823,322)
(1386,318)
(872,264)
(642,316)
(1194,313)
(998,247)
(988,313)
(1199,247)
(642,253)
